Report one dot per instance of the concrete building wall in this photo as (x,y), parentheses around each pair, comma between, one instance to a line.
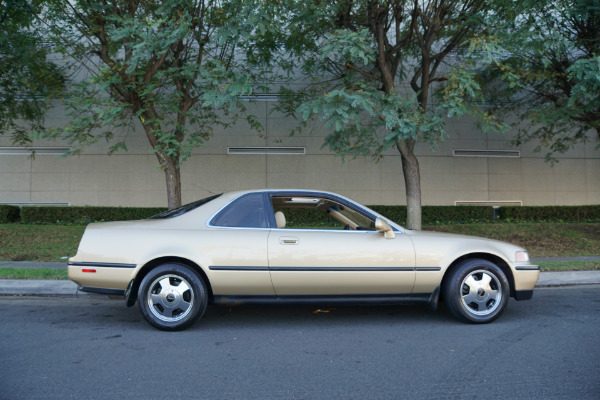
(133,179)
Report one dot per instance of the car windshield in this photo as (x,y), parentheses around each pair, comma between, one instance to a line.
(184,208)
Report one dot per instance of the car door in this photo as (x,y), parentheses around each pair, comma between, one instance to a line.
(238,248)
(340,262)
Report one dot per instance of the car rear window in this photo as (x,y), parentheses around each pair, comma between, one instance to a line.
(184,208)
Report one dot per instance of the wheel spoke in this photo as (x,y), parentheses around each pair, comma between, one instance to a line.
(485,281)
(181,288)
(156,298)
(472,283)
(184,306)
(470,298)
(481,305)
(493,294)
(165,283)
(168,311)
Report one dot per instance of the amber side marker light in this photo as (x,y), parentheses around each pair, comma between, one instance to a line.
(521,256)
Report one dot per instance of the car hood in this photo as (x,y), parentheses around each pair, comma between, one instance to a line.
(446,235)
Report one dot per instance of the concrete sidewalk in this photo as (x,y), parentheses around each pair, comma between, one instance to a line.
(65,288)
(33,264)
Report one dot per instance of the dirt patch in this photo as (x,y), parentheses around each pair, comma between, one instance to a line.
(23,257)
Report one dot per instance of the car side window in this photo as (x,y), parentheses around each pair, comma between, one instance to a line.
(245,212)
(304,212)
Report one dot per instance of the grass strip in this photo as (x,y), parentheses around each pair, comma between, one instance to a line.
(33,273)
(556,266)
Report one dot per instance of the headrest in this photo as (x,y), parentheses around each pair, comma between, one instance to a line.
(280,219)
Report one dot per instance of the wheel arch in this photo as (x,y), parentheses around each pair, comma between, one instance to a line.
(503,265)
(134,285)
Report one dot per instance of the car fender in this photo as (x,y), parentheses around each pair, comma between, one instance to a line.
(436,253)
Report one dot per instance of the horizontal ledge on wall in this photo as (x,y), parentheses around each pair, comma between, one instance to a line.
(35,204)
(486,153)
(15,150)
(260,97)
(496,203)
(266,150)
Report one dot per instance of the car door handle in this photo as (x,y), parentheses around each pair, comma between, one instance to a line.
(288,240)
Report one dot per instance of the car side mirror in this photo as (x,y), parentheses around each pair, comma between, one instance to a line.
(382,226)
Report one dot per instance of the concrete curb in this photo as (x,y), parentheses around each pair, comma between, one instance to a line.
(568,278)
(42,288)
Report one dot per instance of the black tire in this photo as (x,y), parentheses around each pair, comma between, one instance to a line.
(476,291)
(172,297)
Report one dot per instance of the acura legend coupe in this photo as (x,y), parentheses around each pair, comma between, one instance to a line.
(290,247)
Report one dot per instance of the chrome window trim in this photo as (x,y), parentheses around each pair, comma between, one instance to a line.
(238,227)
(323,230)
(397,228)
(296,229)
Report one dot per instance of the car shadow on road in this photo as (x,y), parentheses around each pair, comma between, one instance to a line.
(307,316)
(304,316)
(113,313)
(355,315)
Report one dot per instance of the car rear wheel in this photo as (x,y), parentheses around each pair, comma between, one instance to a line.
(172,297)
(477,291)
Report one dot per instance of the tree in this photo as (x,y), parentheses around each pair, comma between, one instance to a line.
(547,66)
(28,79)
(389,80)
(177,68)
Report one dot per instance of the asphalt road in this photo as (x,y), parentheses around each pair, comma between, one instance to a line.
(57,348)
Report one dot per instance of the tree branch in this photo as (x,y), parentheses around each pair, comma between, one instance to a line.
(362,72)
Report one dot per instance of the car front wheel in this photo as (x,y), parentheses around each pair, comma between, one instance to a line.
(477,291)
(172,297)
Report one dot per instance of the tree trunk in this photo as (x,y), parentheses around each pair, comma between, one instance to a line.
(412,182)
(173,178)
(168,163)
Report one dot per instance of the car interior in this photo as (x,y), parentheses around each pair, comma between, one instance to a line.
(317,213)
